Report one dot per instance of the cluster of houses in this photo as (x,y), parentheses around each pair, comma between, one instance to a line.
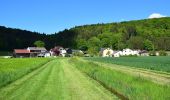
(107,52)
(42,52)
(67,52)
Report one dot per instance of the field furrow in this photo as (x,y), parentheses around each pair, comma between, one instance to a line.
(159,78)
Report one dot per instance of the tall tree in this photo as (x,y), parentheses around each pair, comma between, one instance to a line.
(148,45)
(39,43)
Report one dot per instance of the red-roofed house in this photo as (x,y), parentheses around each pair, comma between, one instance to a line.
(30,52)
(21,53)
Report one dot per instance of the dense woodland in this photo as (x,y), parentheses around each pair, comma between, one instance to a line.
(148,34)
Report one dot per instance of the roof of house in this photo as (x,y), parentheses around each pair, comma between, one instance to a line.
(21,51)
(36,48)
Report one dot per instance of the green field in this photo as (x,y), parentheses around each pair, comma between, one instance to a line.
(12,69)
(159,63)
(78,79)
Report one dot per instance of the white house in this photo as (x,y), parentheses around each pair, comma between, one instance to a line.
(36,49)
(117,53)
(107,52)
(127,52)
(47,55)
(63,52)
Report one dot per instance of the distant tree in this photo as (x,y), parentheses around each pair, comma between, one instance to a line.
(121,45)
(148,45)
(82,45)
(135,42)
(39,43)
(93,45)
(162,53)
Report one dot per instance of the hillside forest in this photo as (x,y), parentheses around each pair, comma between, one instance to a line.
(147,34)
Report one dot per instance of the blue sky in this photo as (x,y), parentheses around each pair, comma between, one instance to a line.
(51,16)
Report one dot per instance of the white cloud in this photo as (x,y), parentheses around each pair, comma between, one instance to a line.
(156,15)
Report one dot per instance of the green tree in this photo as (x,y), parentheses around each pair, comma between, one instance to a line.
(93,45)
(135,42)
(82,45)
(148,45)
(39,43)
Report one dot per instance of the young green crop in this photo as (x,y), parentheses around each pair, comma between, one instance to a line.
(160,63)
(12,69)
(126,86)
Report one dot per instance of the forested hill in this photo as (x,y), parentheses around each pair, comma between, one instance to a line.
(141,34)
(16,38)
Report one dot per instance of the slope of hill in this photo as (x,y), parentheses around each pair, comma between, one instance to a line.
(141,34)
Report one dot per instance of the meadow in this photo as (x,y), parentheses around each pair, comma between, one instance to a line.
(56,80)
(159,63)
(125,86)
(12,69)
(78,79)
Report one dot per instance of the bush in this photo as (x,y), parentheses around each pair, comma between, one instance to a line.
(130,55)
(162,53)
(152,53)
(79,54)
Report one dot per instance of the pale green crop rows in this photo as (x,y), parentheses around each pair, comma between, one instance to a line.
(160,63)
(132,87)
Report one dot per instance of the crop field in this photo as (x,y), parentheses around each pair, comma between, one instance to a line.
(160,63)
(78,79)
(12,69)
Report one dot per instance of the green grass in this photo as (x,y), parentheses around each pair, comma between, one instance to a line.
(12,69)
(132,87)
(160,63)
(56,80)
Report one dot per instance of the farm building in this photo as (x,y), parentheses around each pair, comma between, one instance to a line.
(127,52)
(30,52)
(106,52)
(111,53)
(58,51)
(117,53)
(21,53)
(144,53)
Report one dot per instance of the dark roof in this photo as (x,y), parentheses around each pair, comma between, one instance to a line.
(36,48)
(21,51)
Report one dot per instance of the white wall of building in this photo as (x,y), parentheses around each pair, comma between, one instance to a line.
(107,52)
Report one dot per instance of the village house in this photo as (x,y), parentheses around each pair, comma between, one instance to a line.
(144,53)
(58,51)
(117,53)
(125,52)
(30,52)
(106,52)
(20,53)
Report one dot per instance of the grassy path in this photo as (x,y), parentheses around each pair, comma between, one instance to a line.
(154,76)
(57,80)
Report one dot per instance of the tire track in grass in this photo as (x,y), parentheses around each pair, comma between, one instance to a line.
(82,87)
(56,80)
(56,88)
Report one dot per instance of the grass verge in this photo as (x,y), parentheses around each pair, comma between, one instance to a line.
(126,86)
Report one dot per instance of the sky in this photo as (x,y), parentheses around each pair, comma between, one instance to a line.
(50,16)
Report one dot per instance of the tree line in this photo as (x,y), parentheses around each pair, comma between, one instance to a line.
(147,34)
